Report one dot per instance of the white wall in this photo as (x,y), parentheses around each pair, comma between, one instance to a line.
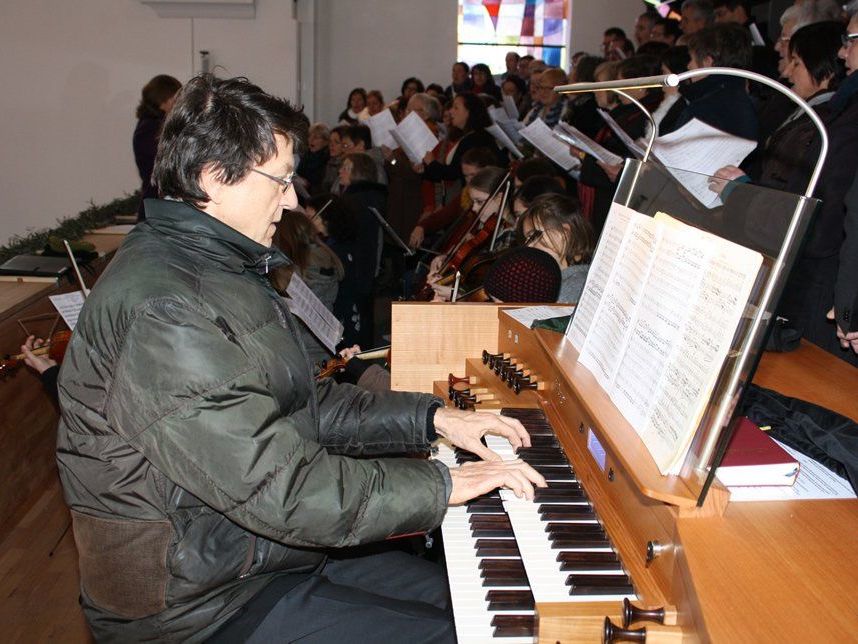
(71,77)
(590,18)
(376,44)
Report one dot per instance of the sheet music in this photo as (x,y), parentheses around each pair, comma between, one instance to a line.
(815,481)
(613,321)
(68,305)
(529,314)
(661,319)
(687,381)
(702,149)
(510,107)
(634,146)
(380,126)
(756,37)
(415,137)
(304,304)
(585,143)
(502,138)
(542,138)
(513,130)
(600,270)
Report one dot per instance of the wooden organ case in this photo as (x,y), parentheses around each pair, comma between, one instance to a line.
(723,572)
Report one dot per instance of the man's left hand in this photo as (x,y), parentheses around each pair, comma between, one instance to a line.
(465,429)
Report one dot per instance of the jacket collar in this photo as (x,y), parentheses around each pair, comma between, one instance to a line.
(710,84)
(843,96)
(210,238)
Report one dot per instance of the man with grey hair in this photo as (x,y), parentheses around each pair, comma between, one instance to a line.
(696,15)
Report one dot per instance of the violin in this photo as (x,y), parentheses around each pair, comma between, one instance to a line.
(337,364)
(55,349)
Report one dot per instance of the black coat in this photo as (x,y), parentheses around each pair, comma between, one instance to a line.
(145,144)
(360,197)
(719,101)
(846,285)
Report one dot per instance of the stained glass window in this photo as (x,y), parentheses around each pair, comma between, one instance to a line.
(488,29)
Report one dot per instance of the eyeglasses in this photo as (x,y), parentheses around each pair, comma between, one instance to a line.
(848,39)
(285,181)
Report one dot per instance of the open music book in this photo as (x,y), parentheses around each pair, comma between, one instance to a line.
(510,126)
(574,136)
(501,137)
(414,137)
(542,138)
(655,322)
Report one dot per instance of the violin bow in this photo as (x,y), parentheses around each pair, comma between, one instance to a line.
(503,204)
(83,287)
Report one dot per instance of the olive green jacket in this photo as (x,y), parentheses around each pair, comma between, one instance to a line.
(196,452)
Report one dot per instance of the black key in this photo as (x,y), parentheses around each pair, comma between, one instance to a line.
(501,564)
(555,473)
(510,600)
(511,580)
(569,529)
(556,512)
(490,530)
(599,585)
(485,508)
(514,625)
(562,543)
(494,519)
(554,495)
(497,548)
(572,561)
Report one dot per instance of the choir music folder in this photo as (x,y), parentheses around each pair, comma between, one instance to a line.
(34,268)
(754,458)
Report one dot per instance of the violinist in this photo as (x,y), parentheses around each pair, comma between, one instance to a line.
(42,364)
(554,224)
(481,221)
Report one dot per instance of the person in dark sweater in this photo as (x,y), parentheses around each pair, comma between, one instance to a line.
(718,100)
(157,98)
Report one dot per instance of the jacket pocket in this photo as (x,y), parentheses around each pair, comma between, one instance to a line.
(123,563)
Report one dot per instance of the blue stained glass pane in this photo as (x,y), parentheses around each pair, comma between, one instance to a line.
(552,57)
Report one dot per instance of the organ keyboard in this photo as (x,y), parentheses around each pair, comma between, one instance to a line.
(723,572)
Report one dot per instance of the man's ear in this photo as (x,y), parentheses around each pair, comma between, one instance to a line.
(708,61)
(210,184)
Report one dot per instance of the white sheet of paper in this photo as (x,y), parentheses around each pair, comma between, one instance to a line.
(502,138)
(380,126)
(576,137)
(543,139)
(529,314)
(633,146)
(513,130)
(68,305)
(510,107)
(415,137)
(699,148)
(815,481)
(304,304)
(600,270)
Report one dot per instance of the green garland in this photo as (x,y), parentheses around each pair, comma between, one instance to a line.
(71,228)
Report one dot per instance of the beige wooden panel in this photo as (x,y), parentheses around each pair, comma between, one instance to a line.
(431,339)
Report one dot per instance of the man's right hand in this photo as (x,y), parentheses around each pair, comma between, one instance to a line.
(481,477)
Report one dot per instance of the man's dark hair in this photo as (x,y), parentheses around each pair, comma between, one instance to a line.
(514,53)
(463,64)
(670,27)
(525,57)
(817,46)
(676,59)
(359,133)
(478,115)
(434,87)
(226,124)
(728,44)
(703,10)
(615,32)
(520,85)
